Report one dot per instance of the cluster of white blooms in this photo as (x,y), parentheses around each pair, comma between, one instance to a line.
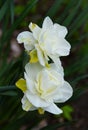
(43,84)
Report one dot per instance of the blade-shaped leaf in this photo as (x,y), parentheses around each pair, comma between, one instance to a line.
(55,7)
(69,6)
(82,17)
(12,11)
(9,93)
(18,21)
(6,88)
(69,18)
(4,9)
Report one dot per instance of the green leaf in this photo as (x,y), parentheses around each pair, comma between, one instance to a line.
(78,92)
(77,79)
(18,21)
(70,17)
(67,110)
(5,23)
(6,88)
(55,7)
(9,93)
(4,9)
(69,6)
(83,36)
(12,11)
(81,18)
(19,9)
(78,66)
(23,15)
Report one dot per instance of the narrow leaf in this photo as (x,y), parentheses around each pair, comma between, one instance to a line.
(69,18)
(52,11)
(6,88)
(9,93)
(4,9)
(83,16)
(18,21)
(69,6)
(78,92)
(12,11)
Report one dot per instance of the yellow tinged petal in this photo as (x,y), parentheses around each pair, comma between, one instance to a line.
(33,56)
(47,65)
(39,86)
(41,111)
(21,84)
(33,25)
(27,105)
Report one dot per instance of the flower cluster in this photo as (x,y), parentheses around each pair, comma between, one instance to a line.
(43,84)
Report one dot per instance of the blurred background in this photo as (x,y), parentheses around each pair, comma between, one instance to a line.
(15,16)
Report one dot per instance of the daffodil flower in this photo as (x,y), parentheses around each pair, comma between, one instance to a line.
(43,87)
(47,42)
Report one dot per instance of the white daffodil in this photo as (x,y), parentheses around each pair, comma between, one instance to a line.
(47,42)
(43,87)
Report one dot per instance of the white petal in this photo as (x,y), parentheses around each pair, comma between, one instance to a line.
(58,69)
(62,48)
(47,23)
(64,92)
(56,60)
(60,30)
(30,84)
(47,83)
(35,29)
(32,70)
(26,38)
(40,55)
(45,42)
(36,100)
(53,109)
(43,80)
(26,105)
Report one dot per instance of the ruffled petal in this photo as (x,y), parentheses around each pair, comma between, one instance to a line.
(53,109)
(47,23)
(43,82)
(58,69)
(64,93)
(40,55)
(60,30)
(61,48)
(36,100)
(32,70)
(28,40)
(26,105)
(30,84)
(48,81)
(56,60)
(35,29)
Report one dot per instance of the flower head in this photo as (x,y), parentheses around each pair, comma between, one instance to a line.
(47,42)
(43,87)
